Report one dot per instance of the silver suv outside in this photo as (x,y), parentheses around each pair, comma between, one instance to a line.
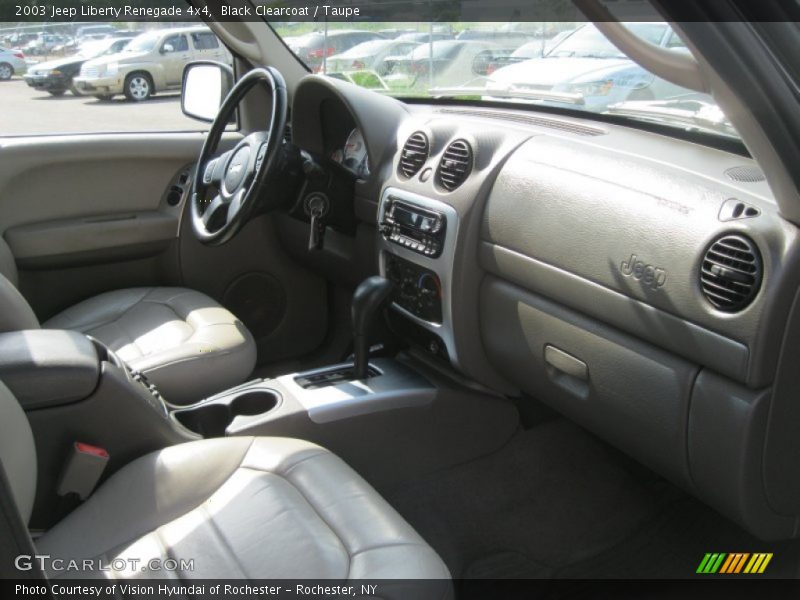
(152,62)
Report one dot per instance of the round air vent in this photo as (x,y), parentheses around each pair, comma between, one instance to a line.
(414,154)
(455,166)
(731,273)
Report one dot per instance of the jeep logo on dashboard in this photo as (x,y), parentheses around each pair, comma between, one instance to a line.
(650,275)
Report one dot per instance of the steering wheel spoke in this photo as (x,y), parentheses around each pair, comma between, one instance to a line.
(236,204)
(214,169)
(213,208)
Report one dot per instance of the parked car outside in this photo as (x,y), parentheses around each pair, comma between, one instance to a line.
(20,39)
(152,62)
(394,33)
(588,70)
(511,39)
(12,62)
(425,37)
(70,46)
(370,55)
(56,76)
(533,49)
(93,31)
(313,48)
(443,63)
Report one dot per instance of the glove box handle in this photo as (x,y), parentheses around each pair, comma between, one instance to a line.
(567,371)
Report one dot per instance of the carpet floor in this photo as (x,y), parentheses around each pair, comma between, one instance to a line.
(556,502)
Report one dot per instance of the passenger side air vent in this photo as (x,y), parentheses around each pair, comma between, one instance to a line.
(731,273)
(414,154)
(455,166)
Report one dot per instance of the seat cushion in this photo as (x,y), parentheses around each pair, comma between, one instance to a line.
(255,508)
(185,342)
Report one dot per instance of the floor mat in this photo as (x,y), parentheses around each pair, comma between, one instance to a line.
(552,497)
(558,503)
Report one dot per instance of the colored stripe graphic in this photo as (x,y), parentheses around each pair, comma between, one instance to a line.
(704,563)
(759,562)
(731,560)
(741,562)
(711,563)
(734,563)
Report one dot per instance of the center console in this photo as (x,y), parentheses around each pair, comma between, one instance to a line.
(417,248)
(392,419)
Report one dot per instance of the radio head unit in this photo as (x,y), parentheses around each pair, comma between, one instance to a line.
(418,229)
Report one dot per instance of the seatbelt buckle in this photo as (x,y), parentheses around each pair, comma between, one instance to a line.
(84,467)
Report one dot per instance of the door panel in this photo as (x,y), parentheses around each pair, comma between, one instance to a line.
(68,241)
(65,177)
(89,213)
(92,213)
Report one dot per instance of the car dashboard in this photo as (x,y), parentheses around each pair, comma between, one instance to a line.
(640,284)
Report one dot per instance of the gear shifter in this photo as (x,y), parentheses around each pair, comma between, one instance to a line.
(370,297)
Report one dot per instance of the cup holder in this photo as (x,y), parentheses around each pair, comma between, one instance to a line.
(211,420)
(254,403)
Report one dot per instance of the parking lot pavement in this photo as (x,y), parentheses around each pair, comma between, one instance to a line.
(24,110)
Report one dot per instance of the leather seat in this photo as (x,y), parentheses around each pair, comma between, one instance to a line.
(183,341)
(241,508)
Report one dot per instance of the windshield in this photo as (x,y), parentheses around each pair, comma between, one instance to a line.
(143,43)
(95,49)
(588,42)
(437,50)
(366,48)
(556,64)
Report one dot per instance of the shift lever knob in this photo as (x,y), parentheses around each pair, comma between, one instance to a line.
(369,298)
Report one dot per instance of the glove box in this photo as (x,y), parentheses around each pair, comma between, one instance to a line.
(633,394)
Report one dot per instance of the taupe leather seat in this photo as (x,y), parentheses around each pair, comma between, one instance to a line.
(182,340)
(255,508)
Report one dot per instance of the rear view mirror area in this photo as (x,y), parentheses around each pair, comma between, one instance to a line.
(205,86)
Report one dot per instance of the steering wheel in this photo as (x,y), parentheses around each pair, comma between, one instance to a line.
(239,175)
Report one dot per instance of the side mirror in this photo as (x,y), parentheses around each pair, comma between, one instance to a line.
(167,48)
(205,85)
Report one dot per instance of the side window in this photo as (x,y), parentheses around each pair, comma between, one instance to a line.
(205,41)
(177,42)
(675,42)
(96,83)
